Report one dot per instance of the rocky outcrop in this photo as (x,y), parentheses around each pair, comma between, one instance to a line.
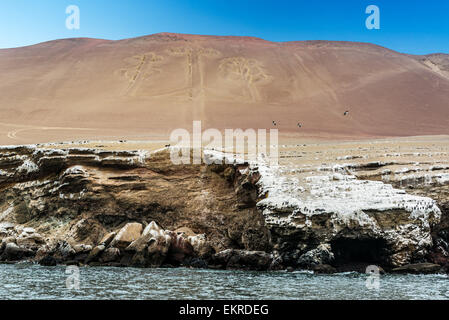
(135,208)
(89,206)
(131,245)
(241,259)
(322,255)
(418,268)
(128,234)
(356,220)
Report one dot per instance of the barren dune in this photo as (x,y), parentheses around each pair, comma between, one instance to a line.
(143,88)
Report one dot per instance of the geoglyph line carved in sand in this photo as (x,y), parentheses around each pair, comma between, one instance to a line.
(195,75)
(12,134)
(141,68)
(249,71)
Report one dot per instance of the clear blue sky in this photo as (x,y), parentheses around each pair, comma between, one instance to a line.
(411,26)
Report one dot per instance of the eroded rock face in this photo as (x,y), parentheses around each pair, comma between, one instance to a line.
(337,207)
(94,206)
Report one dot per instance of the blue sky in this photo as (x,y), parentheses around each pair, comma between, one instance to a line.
(411,26)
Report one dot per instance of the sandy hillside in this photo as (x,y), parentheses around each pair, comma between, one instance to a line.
(143,88)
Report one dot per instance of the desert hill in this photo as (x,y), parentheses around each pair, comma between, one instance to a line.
(144,87)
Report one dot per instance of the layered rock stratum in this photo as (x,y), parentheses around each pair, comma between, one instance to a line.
(54,201)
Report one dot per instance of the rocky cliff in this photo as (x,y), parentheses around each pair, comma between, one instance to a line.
(61,204)
(336,218)
(94,206)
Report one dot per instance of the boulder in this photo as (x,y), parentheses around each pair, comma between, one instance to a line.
(138,260)
(95,253)
(30,239)
(200,245)
(140,244)
(7,225)
(153,238)
(28,230)
(110,255)
(42,252)
(418,268)
(158,250)
(150,250)
(186,232)
(180,248)
(5,241)
(107,239)
(154,229)
(321,255)
(6,229)
(82,248)
(127,235)
(242,259)
(48,261)
(324,269)
(13,252)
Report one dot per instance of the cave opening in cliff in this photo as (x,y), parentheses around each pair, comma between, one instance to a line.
(353,251)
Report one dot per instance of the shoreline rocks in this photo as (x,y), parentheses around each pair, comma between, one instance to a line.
(242,260)
(418,268)
(126,235)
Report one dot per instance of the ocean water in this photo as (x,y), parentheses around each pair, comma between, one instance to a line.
(25,281)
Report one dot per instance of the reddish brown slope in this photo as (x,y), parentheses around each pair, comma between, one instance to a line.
(142,87)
